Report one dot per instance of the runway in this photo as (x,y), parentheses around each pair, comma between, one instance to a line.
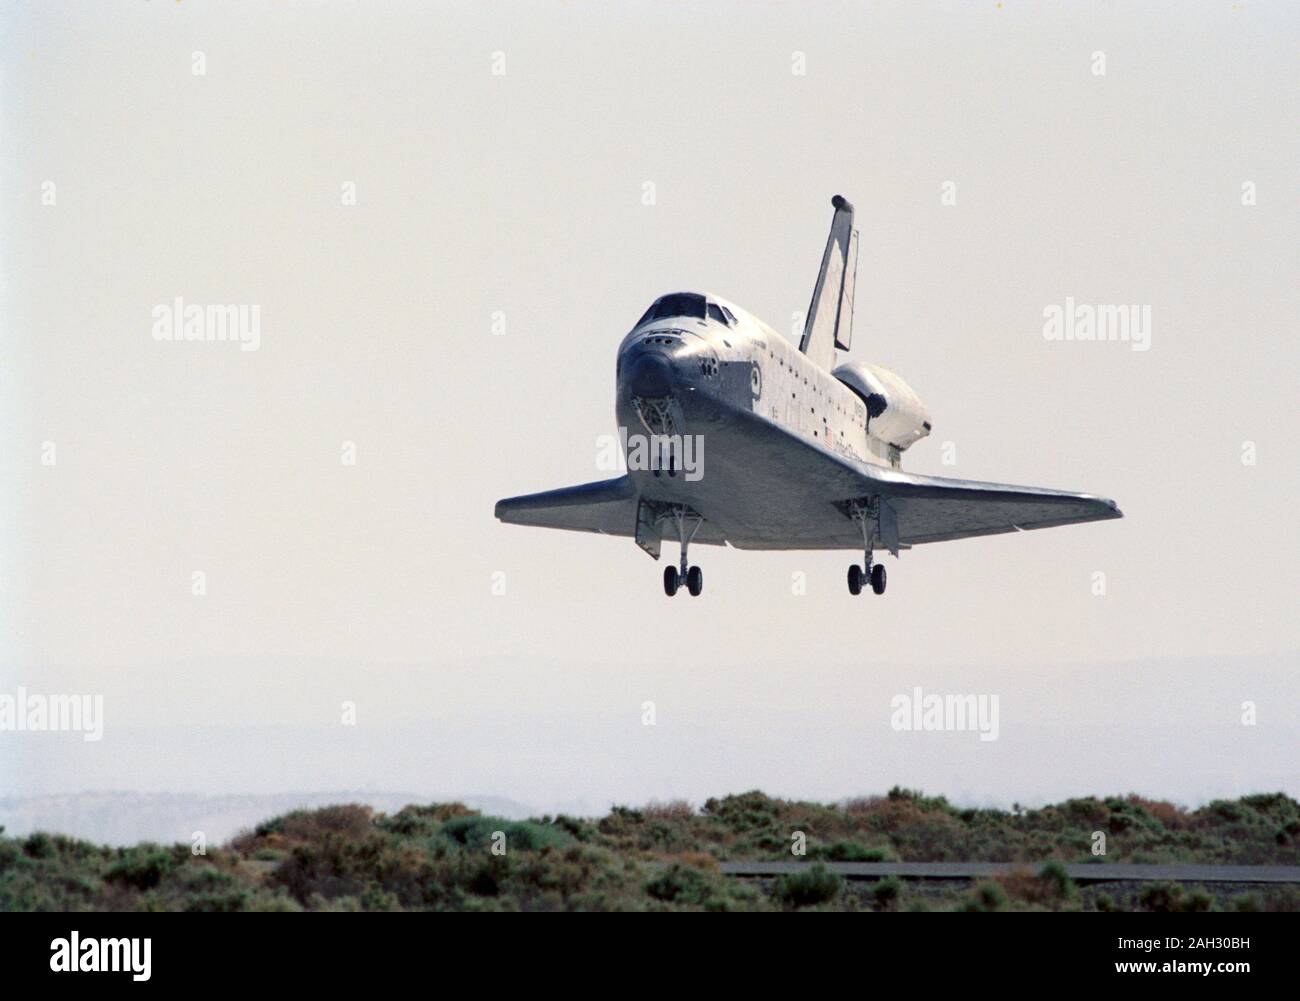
(1080,872)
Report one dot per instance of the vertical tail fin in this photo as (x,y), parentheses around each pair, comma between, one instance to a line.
(830,317)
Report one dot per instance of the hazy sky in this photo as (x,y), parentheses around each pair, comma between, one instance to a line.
(517,199)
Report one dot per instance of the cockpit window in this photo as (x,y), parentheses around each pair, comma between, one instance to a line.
(715,313)
(678,304)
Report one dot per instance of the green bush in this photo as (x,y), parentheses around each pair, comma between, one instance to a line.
(886,893)
(681,884)
(1057,884)
(987,896)
(223,903)
(575,827)
(39,845)
(1163,896)
(814,885)
(521,835)
(142,867)
(853,851)
(1198,901)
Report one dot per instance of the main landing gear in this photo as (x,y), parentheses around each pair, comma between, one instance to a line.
(865,516)
(692,577)
(875,575)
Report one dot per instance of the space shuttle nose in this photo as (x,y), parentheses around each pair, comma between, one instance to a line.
(650,375)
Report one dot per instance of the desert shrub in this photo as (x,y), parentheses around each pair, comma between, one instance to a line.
(814,885)
(1169,815)
(487,876)
(986,896)
(853,851)
(1284,898)
(937,804)
(743,812)
(1227,809)
(575,827)
(349,821)
(886,893)
(1089,812)
(219,902)
(200,878)
(1198,901)
(1021,883)
(1056,882)
(861,805)
(1163,896)
(39,845)
(421,820)
(521,835)
(328,868)
(663,836)
(375,898)
(1131,814)
(1268,802)
(1167,897)
(10,853)
(677,809)
(142,867)
(680,884)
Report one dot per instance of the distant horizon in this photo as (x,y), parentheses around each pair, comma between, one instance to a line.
(176,823)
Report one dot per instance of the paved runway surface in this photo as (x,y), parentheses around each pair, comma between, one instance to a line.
(1079,872)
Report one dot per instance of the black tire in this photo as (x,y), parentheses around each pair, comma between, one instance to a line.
(671,581)
(855,579)
(695,581)
(878,578)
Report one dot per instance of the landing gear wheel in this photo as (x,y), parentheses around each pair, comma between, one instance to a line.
(695,581)
(855,579)
(671,581)
(878,578)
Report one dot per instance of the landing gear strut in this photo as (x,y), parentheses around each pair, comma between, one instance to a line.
(865,514)
(692,577)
